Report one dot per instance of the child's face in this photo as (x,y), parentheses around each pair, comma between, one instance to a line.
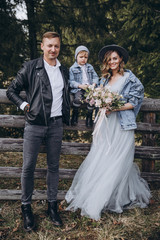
(82,58)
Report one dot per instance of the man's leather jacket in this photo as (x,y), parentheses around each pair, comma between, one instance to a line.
(33,79)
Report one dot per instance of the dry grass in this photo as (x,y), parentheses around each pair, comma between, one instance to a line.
(134,224)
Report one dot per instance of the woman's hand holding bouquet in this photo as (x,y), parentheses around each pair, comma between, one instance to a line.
(102,97)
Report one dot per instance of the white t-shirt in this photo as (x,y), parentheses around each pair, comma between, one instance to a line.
(57,85)
(84,74)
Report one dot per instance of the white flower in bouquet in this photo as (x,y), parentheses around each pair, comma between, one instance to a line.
(91,87)
(98,103)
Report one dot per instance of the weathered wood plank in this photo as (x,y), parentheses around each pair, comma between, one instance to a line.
(15,172)
(150,176)
(19,121)
(147,152)
(148,127)
(5,100)
(148,104)
(6,194)
(16,145)
(16,121)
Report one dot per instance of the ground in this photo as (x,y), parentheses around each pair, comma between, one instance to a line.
(134,224)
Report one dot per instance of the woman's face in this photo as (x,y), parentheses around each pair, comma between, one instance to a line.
(114,61)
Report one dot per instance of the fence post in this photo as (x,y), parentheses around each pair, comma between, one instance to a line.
(148,140)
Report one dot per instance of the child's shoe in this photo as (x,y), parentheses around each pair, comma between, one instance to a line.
(74,119)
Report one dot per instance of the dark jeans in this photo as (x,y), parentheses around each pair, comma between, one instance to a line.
(78,97)
(34,135)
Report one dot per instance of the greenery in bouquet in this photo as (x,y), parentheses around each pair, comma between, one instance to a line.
(103,97)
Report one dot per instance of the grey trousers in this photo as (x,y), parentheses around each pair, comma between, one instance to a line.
(34,135)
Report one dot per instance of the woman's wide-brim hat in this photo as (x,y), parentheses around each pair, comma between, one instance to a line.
(113,47)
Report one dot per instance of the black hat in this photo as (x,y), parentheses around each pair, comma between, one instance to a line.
(113,47)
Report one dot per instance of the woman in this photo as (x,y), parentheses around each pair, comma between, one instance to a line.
(108,179)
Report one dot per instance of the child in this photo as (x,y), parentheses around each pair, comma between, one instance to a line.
(81,75)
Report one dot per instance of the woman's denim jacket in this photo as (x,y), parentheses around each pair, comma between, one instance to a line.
(132,92)
(75,76)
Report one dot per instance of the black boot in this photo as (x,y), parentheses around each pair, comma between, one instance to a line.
(54,216)
(28,217)
(74,119)
(89,121)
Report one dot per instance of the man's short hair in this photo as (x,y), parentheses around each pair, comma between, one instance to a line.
(51,35)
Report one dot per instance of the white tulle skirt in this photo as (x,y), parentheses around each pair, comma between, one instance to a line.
(108,179)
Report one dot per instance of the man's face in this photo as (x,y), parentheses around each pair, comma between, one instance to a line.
(51,49)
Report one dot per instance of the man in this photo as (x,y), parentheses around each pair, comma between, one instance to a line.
(45,81)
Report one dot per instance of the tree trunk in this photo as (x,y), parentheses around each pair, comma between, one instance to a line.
(32,28)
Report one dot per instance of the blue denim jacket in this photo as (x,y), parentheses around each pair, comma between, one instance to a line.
(75,76)
(132,92)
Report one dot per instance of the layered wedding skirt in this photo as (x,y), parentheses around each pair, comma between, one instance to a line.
(108,179)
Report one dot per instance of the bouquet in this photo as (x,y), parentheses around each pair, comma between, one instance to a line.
(102,97)
(105,100)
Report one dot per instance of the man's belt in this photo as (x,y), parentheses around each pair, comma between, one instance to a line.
(55,118)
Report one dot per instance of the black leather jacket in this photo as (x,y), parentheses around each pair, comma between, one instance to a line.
(34,80)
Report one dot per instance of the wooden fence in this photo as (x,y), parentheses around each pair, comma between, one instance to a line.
(148,152)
